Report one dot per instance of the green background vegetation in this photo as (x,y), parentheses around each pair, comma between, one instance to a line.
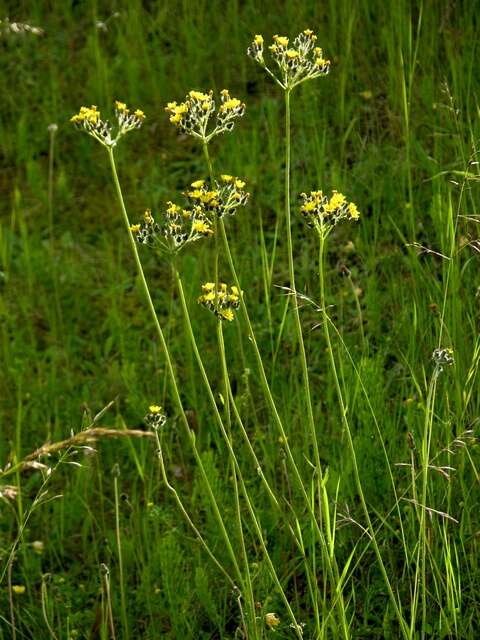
(393,127)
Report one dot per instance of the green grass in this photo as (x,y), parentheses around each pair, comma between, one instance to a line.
(393,126)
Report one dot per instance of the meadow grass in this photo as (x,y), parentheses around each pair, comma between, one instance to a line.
(317,466)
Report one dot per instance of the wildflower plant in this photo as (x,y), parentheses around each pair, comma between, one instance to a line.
(297,62)
(198,116)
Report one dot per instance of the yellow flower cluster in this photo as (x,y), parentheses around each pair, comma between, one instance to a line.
(89,119)
(146,231)
(86,114)
(185,225)
(321,211)
(224,199)
(126,120)
(179,228)
(155,417)
(223,302)
(297,63)
(193,115)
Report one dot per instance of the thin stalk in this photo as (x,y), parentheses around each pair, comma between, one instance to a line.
(226,383)
(346,425)
(231,450)
(166,352)
(184,512)
(321,488)
(426,443)
(44,596)
(52,131)
(298,324)
(267,391)
(119,551)
(107,595)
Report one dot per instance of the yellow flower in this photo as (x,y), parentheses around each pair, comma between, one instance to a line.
(229,105)
(139,114)
(86,114)
(198,95)
(258,40)
(135,228)
(199,226)
(226,178)
(272,620)
(336,201)
(208,286)
(292,54)
(172,209)
(18,589)
(281,40)
(353,212)
(321,62)
(227,314)
(198,184)
(155,408)
(120,106)
(239,183)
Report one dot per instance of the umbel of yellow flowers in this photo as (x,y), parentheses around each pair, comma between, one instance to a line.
(222,302)
(180,226)
(297,62)
(89,120)
(323,212)
(197,115)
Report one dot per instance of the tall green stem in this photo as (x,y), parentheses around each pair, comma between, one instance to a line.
(346,426)
(228,442)
(321,489)
(166,352)
(116,472)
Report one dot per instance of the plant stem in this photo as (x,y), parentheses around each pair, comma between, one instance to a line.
(166,352)
(228,442)
(346,426)
(119,550)
(321,487)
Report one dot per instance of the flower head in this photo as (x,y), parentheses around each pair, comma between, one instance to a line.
(89,120)
(272,620)
(18,589)
(178,227)
(194,115)
(222,302)
(297,62)
(155,417)
(323,212)
(224,199)
(443,357)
